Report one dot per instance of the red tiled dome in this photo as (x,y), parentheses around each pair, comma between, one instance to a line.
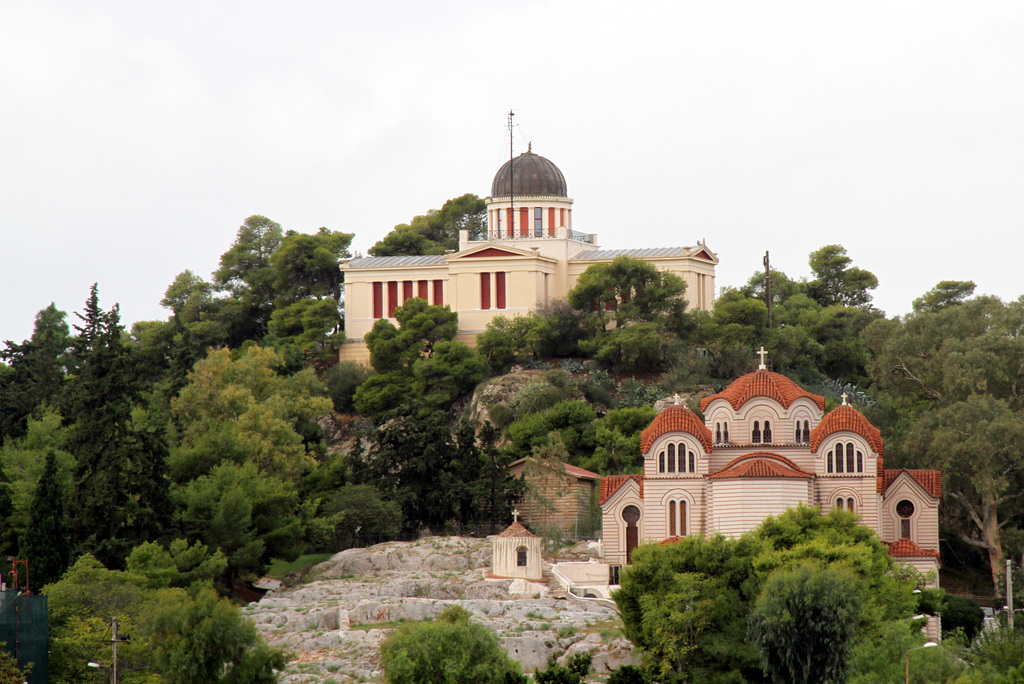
(763,383)
(846,419)
(675,418)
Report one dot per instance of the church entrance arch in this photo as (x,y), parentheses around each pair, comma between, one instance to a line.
(631,515)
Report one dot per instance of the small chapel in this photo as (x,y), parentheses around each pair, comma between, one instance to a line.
(765,445)
(531,255)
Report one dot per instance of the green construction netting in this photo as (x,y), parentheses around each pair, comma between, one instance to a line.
(25,631)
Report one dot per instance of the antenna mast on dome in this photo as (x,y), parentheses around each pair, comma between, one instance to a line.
(511,180)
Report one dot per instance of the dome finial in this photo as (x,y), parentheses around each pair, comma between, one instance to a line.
(761,352)
(529,147)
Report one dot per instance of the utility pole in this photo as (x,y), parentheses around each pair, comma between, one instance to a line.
(113,644)
(1009,594)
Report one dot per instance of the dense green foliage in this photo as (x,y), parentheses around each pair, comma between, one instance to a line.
(449,650)
(179,627)
(437,230)
(691,605)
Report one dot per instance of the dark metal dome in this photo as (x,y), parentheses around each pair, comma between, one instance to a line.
(534,175)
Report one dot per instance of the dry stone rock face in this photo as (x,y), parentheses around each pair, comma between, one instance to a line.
(329,623)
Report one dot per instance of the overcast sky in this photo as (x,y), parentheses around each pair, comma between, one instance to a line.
(135,137)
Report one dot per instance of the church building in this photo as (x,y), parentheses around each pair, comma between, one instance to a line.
(530,256)
(766,445)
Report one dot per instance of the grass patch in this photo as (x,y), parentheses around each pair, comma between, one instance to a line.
(279,568)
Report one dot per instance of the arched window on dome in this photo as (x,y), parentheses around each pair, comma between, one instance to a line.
(725,433)
(718,433)
(860,461)
(839,457)
(807,432)
(767,433)
(693,462)
(671,458)
(829,460)
(755,436)
(849,458)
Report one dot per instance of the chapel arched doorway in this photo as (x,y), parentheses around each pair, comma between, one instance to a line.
(631,515)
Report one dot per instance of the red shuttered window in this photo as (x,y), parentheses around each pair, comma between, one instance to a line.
(485,290)
(439,292)
(499,289)
(421,290)
(392,298)
(378,300)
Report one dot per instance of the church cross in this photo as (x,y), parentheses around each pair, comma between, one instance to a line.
(515,515)
(762,353)
(844,398)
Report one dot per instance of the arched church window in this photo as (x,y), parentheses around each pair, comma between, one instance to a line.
(661,461)
(718,433)
(849,457)
(860,461)
(905,510)
(807,432)
(725,433)
(682,518)
(671,518)
(521,557)
(693,462)
(839,503)
(849,504)
(767,433)
(839,457)
(755,437)
(671,458)
(829,460)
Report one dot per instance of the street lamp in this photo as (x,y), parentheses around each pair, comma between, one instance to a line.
(906,656)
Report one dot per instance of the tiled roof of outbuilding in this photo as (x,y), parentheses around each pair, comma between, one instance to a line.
(675,418)
(516,529)
(763,383)
(846,419)
(760,464)
(931,480)
(904,548)
(611,484)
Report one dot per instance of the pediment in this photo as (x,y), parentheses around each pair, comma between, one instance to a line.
(491,251)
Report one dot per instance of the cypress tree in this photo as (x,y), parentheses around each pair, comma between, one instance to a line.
(121,488)
(47,542)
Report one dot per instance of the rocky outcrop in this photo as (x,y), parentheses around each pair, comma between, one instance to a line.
(335,621)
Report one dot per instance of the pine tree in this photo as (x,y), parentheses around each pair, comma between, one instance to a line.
(121,492)
(47,542)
